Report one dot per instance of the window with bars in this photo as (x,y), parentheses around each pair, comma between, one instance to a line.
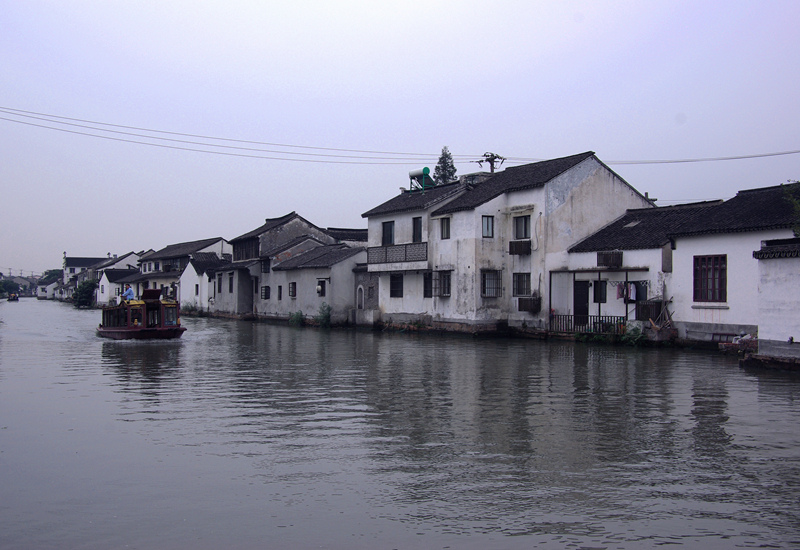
(265,293)
(230,283)
(396,285)
(711,278)
(292,290)
(522,284)
(491,284)
(441,283)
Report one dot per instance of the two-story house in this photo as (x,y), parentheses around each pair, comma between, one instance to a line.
(476,255)
(163,268)
(237,289)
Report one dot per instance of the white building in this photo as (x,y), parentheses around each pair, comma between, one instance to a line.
(778,298)
(476,255)
(323,275)
(698,258)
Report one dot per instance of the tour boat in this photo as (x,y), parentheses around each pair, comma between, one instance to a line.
(152,317)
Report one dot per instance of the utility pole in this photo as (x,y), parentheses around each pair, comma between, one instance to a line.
(492,159)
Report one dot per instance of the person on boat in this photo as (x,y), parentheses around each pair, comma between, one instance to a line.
(128,294)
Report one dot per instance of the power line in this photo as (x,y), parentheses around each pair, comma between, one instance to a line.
(229,150)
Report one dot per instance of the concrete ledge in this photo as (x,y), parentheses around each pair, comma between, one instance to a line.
(770,363)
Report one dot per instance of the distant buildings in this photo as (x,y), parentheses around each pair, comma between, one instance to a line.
(560,246)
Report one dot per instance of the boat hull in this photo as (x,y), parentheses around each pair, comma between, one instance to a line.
(123,333)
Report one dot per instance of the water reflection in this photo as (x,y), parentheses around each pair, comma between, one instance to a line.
(390,437)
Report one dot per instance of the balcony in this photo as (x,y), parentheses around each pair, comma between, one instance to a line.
(398,253)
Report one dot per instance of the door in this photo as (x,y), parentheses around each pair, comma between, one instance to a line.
(580,301)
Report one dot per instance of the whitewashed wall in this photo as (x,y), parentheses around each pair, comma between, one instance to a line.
(739,312)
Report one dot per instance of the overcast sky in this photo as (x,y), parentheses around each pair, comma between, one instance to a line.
(300,94)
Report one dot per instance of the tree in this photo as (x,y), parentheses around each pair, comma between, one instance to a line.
(445,170)
(84,294)
(792,191)
(9,287)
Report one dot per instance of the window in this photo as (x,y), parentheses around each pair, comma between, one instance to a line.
(230,283)
(219,283)
(196,290)
(280,292)
(710,278)
(396,285)
(600,291)
(388,234)
(444,225)
(265,266)
(265,293)
(320,287)
(292,290)
(522,284)
(427,285)
(522,227)
(157,266)
(444,283)
(491,284)
(102,289)
(416,230)
(488,226)
(72,270)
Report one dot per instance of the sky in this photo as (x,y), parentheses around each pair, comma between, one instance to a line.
(129,126)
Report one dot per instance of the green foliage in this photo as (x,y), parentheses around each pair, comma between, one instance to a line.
(792,191)
(84,294)
(323,317)
(445,170)
(7,286)
(297,319)
(634,337)
(50,276)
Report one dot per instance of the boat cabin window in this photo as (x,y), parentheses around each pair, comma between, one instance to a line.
(136,316)
(170,316)
(153,317)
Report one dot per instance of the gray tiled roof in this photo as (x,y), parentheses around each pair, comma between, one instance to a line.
(408,201)
(750,210)
(341,234)
(778,249)
(116,275)
(271,223)
(77,261)
(182,249)
(645,227)
(320,257)
(516,178)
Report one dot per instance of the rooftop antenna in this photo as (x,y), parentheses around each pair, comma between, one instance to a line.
(492,159)
(420,179)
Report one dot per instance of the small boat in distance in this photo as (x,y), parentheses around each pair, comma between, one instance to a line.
(151,317)
(13,297)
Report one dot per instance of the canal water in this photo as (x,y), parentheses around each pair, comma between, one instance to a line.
(244,435)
